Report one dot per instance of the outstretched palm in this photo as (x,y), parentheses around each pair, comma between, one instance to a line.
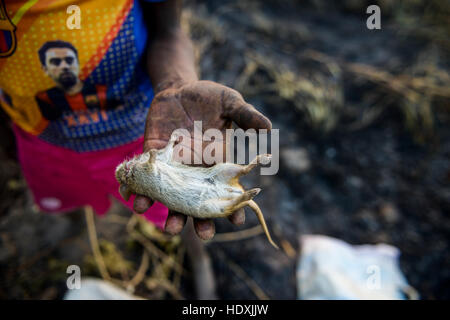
(216,106)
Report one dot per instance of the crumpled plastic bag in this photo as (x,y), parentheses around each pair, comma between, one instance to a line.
(332,269)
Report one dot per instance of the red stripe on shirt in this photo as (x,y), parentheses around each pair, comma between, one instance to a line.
(76,102)
(101,94)
(44,97)
(106,42)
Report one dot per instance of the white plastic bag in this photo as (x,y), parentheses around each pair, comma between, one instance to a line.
(330,268)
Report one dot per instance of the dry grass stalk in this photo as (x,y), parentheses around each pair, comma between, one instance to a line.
(252,285)
(237,235)
(89,212)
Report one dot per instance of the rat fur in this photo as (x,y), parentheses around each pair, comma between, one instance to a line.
(198,192)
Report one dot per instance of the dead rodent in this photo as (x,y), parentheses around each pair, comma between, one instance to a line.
(198,192)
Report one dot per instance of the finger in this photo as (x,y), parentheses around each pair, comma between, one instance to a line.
(142,204)
(204,228)
(245,115)
(238,217)
(175,223)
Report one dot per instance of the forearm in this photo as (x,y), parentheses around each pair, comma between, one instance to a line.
(170,60)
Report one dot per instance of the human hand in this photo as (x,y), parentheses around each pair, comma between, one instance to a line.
(217,106)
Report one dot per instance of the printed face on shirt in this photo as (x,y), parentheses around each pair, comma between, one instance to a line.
(61,64)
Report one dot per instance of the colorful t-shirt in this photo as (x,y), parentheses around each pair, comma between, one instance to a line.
(72,72)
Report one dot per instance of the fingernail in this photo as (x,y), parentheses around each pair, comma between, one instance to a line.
(203,226)
(205,229)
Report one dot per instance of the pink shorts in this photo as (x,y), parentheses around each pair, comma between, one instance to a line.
(61,179)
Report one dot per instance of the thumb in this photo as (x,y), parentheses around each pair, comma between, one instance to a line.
(244,114)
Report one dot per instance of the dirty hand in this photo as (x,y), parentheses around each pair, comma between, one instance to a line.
(217,106)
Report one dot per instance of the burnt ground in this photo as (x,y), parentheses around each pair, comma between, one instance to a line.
(372,166)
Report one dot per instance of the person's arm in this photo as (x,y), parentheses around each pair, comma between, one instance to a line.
(170,56)
(180,99)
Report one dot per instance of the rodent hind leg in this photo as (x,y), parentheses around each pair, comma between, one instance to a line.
(242,200)
(226,171)
(165,154)
(258,160)
(153,153)
(216,208)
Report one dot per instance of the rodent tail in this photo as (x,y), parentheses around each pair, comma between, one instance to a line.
(252,204)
